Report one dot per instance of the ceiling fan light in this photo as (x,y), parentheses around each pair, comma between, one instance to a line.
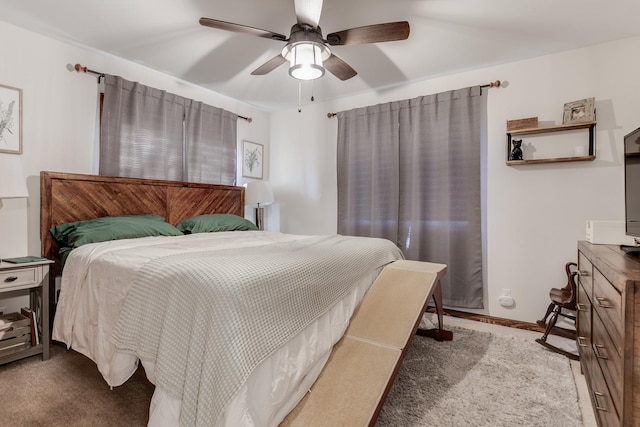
(306,61)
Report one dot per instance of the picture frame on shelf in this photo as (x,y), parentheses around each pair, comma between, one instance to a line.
(10,120)
(579,111)
(252,159)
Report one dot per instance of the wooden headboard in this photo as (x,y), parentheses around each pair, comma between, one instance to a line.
(67,197)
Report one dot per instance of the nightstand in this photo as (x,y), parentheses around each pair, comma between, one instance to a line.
(35,277)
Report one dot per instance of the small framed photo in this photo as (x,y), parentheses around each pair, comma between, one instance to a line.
(252,159)
(579,111)
(10,120)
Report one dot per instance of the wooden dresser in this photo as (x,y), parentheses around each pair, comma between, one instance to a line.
(609,332)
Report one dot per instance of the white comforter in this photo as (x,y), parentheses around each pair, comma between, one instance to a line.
(97,279)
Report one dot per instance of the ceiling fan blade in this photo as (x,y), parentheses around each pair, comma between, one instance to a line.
(390,31)
(269,66)
(339,68)
(308,12)
(237,28)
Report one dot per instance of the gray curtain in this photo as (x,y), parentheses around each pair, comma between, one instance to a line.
(210,136)
(409,171)
(149,133)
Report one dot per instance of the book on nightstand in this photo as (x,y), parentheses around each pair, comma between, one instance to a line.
(31,315)
(24,259)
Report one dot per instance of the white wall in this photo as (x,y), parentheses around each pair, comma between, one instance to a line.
(59,116)
(535,213)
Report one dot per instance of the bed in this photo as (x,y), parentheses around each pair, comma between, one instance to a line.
(221,356)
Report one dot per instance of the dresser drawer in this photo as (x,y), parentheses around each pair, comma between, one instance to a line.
(586,273)
(607,302)
(22,277)
(603,406)
(609,360)
(583,311)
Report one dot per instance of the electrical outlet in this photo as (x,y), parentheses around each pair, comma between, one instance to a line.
(506,301)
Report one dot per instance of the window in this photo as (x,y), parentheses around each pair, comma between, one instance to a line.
(410,172)
(149,133)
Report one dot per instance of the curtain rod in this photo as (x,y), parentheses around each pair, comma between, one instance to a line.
(497,83)
(79,68)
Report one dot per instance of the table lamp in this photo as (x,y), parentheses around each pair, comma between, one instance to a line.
(258,193)
(12,182)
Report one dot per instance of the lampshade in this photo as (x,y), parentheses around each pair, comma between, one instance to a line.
(258,193)
(12,181)
(306,62)
(306,59)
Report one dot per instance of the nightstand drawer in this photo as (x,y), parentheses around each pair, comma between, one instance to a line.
(20,277)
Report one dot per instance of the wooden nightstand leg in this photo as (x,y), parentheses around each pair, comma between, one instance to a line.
(44,304)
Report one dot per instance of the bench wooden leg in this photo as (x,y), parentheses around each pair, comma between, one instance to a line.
(439,333)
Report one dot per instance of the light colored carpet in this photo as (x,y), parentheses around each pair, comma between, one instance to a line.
(482,379)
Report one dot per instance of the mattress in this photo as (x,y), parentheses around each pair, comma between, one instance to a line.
(95,284)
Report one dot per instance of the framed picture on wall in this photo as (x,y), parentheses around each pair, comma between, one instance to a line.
(579,111)
(252,159)
(10,120)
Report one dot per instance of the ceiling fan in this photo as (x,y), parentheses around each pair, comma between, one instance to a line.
(306,50)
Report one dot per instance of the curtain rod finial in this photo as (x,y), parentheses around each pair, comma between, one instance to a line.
(79,68)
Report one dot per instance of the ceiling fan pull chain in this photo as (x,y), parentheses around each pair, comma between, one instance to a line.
(312,86)
(299,96)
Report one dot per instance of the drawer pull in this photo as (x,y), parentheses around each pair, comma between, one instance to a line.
(582,341)
(10,279)
(598,351)
(581,307)
(599,407)
(603,302)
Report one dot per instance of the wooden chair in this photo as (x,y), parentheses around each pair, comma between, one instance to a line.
(561,299)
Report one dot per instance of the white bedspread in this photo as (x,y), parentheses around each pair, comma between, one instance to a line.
(98,277)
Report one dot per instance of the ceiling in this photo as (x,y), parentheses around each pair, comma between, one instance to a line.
(447,36)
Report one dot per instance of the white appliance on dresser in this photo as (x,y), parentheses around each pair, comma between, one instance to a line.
(608,310)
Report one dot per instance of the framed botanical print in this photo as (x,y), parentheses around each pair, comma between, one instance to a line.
(252,159)
(10,120)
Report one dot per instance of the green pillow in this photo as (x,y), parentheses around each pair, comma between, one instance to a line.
(215,222)
(75,234)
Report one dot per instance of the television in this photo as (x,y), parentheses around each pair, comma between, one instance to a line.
(632,190)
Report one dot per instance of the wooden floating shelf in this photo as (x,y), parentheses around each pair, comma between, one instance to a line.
(550,129)
(556,128)
(554,160)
